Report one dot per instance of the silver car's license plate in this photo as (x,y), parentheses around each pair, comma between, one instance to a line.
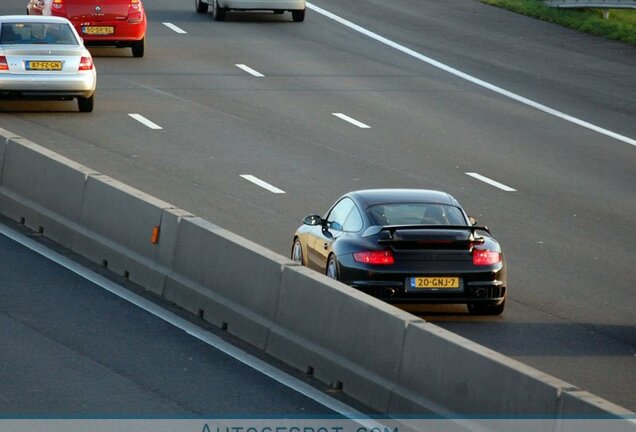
(43,65)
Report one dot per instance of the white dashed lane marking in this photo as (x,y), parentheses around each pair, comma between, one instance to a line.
(144,121)
(250,71)
(175,28)
(351,120)
(491,182)
(261,183)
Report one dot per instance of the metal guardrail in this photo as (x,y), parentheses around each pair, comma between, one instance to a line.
(600,4)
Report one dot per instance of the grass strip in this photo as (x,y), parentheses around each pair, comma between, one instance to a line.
(620,26)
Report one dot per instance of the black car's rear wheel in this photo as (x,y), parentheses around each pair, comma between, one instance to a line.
(486,309)
(332,267)
(200,6)
(297,252)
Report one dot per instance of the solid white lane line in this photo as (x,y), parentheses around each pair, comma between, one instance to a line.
(262,184)
(190,328)
(143,120)
(249,70)
(471,78)
(175,28)
(491,182)
(351,120)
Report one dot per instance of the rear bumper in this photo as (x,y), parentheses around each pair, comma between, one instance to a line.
(486,285)
(21,86)
(124,32)
(491,293)
(262,4)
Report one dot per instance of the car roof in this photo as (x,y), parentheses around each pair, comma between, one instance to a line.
(32,18)
(370,197)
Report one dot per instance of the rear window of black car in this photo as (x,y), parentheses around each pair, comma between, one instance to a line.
(28,33)
(415,214)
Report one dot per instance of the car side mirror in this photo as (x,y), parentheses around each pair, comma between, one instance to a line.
(313,220)
(472,220)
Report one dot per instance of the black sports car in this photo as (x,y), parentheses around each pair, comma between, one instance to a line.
(406,246)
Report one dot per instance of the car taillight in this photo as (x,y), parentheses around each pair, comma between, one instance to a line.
(57,8)
(135,12)
(384,257)
(485,257)
(4,66)
(86,63)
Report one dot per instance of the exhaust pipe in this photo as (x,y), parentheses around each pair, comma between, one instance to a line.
(480,292)
(389,292)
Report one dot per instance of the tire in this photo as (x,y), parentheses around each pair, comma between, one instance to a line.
(332,268)
(297,252)
(86,104)
(200,6)
(218,13)
(481,309)
(138,48)
(298,15)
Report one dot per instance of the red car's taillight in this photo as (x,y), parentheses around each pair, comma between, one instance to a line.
(57,4)
(135,12)
(86,63)
(485,257)
(384,257)
(4,66)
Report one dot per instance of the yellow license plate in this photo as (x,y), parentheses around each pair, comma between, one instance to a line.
(98,30)
(39,65)
(435,283)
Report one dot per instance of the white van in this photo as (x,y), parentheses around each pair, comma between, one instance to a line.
(220,7)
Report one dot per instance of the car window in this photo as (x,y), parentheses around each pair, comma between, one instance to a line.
(416,214)
(37,33)
(353,223)
(339,213)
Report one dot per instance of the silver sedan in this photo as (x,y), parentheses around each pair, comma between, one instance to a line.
(219,7)
(43,57)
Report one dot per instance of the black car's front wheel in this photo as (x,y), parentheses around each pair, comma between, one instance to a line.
(486,309)
(297,252)
(332,267)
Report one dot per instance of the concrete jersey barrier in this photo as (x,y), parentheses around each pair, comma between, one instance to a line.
(225,279)
(388,359)
(340,335)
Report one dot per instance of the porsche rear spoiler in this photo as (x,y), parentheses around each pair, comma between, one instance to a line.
(413,229)
(471,228)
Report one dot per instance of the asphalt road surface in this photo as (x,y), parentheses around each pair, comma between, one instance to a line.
(566,213)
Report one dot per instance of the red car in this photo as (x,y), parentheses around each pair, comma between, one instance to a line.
(119,23)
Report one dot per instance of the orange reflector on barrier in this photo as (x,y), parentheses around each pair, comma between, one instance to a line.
(155,235)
